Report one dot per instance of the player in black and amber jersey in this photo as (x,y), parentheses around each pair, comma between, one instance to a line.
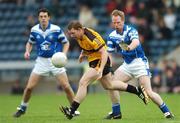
(94,48)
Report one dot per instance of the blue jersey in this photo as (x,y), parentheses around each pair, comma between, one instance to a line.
(129,33)
(49,41)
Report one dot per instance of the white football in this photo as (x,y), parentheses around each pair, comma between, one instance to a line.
(59,59)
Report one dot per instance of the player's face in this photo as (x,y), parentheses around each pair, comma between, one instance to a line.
(75,33)
(44,18)
(118,23)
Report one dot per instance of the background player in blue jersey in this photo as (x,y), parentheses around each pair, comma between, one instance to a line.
(49,38)
(125,41)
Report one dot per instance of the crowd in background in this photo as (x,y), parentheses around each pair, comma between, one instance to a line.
(167,77)
(154,19)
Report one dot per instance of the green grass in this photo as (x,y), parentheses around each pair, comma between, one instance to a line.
(44,109)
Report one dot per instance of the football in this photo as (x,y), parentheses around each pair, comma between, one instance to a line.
(59,59)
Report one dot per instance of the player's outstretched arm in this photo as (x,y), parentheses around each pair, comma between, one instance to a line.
(134,44)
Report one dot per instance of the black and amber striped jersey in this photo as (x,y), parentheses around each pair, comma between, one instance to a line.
(91,42)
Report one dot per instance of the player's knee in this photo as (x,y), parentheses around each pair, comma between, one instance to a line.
(28,89)
(150,93)
(66,87)
(83,84)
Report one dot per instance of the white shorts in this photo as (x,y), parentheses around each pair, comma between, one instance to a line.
(45,67)
(136,68)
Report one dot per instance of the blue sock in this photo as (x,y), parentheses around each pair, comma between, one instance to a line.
(164,108)
(116,109)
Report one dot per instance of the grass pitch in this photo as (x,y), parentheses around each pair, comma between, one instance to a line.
(44,109)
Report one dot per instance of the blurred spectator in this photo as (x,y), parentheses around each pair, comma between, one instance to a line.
(168,3)
(156,83)
(143,25)
(164,32)
(41,2)
(155,4)
(30,3)
(176,3)
(86,17)
(110,6)
(156,77)
(130,8)
(164,65)
(30,24)
(170,18)
(170,79)
(173,64)
(90,3)
(176,73)
(18,2)
(130,11)
(17,88)
(143,12)
(172,76)
(55,8)
(176,89)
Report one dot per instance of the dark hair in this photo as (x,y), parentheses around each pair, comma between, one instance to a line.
(74,24)
(44,10)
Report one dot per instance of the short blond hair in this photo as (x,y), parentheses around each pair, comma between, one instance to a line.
(118,13)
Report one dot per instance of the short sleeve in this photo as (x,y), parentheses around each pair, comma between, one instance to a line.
(110,45)
(97,44)
(133,34)
(32,38)
(61,36)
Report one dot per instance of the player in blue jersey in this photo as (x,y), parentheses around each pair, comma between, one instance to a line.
(49,39)
(124,40)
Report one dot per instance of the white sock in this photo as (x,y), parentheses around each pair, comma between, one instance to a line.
(24,104)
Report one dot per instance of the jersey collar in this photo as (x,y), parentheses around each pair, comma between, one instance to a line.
(124,28)
(48,27)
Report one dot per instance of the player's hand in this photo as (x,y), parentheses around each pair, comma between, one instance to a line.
(124,46)
(65,55)
(27,55)
(99,72)
(81,58)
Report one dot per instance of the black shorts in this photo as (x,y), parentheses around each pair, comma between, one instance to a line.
(97,63)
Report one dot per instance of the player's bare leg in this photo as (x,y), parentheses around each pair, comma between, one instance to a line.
(145,81)
(119,78)
(32,82)
(89,76)
(63,81)
(116,84)
(114,96)
(119,75)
